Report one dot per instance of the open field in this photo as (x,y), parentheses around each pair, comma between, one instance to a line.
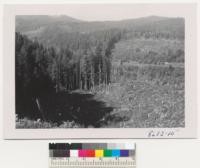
(150,51)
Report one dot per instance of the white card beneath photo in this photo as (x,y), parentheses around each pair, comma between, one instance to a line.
(100,71)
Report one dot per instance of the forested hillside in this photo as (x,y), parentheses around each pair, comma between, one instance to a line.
(40,70)
(99,74)
(59,31)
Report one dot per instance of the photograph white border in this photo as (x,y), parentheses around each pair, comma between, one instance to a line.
(10,132)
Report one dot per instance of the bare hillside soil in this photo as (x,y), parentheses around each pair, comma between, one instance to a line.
(143,105)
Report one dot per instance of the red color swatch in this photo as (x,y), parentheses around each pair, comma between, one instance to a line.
(86,153)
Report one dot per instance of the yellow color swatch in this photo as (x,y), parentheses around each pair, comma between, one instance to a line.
(98,153)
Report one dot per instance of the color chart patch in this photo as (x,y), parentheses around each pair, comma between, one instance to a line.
(91,150)
(92,155)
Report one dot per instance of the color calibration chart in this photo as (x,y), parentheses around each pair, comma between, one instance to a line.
(92,155)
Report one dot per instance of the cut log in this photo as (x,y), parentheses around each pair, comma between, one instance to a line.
(40,109)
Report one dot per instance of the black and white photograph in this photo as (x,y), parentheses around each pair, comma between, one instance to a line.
(98,66)
(78,73)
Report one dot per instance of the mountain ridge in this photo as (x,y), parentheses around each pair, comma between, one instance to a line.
(57,30)
(28,23)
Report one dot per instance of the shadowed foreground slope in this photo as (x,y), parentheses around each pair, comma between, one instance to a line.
(80,108)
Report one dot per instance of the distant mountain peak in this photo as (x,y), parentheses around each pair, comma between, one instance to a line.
(64,18)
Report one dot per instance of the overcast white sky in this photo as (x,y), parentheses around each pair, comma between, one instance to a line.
(101,12)
(118,12)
